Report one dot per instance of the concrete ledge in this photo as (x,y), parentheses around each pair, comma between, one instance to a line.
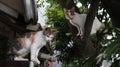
(14,64)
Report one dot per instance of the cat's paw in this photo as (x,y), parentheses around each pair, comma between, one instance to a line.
(78,34)
(53,58)
(35,60)
(20,59)
(81,35)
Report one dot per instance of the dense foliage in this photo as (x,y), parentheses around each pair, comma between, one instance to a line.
(110,47)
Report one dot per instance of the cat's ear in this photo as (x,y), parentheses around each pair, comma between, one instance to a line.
(73,9)
(65,10)
(46,30)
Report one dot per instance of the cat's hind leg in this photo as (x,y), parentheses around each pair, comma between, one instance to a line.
(21,54)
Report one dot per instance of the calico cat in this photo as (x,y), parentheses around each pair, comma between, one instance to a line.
(33,43)
(78,20)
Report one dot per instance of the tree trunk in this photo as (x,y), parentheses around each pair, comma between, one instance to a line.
(89,19)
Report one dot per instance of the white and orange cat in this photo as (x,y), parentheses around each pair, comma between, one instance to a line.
(32,43)
(78,20)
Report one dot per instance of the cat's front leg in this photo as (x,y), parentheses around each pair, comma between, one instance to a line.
(33,54)
(78,34)
(81,33)
(37,52)
(31,64)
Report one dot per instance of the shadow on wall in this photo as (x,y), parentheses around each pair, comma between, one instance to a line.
(3,47)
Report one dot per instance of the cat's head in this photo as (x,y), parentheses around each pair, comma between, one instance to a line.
(69,14)
(49,33)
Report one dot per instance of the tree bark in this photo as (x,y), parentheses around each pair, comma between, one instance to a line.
(89,19)
(89,46)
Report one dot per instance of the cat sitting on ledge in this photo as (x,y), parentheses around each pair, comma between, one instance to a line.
(32,43)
